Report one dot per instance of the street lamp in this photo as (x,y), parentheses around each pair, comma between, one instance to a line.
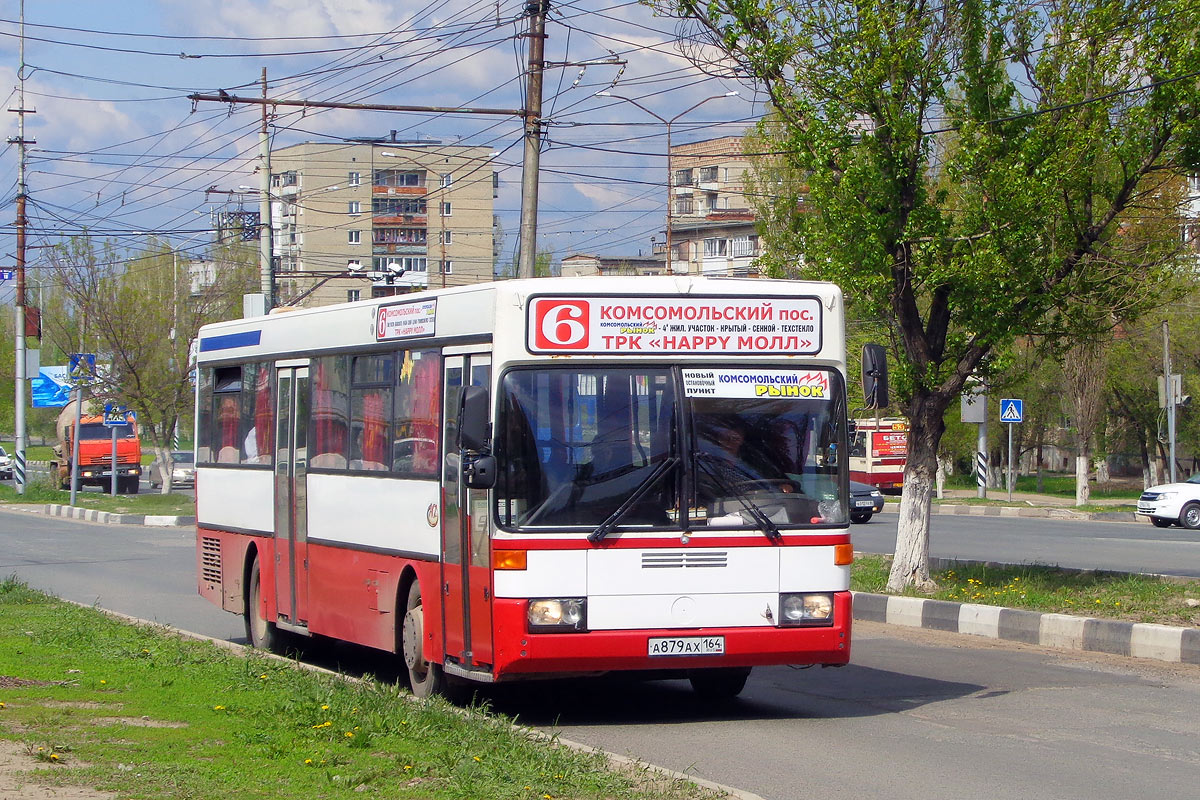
(670,175)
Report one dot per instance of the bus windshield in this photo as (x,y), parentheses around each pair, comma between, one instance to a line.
(664,448)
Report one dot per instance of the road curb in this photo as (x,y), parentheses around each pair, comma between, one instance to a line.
(109,518)
(1116,637)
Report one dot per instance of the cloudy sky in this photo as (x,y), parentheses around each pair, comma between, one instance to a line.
(121,150)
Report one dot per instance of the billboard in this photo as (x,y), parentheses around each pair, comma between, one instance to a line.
(51,387)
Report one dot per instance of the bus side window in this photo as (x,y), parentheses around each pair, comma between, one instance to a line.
(226,417)
(330,424)
(858,446)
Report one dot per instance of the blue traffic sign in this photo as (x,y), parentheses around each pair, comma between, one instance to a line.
(1012,410)
(82,367)
(115,416)
(7,274)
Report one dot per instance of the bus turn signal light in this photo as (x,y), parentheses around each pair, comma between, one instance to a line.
(843,554)
(509,559)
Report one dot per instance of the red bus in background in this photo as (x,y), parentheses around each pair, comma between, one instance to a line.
(878,450)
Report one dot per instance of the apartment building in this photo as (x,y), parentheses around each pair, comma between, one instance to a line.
(375,217)
(582,264)
(711,223)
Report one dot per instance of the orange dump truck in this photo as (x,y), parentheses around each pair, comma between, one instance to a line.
(95,452)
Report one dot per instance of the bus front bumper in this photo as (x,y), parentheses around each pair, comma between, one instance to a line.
(520,653)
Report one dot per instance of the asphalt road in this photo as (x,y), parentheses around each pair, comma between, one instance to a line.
(917,715)
(1120,546)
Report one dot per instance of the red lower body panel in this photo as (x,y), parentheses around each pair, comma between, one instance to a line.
(520,653)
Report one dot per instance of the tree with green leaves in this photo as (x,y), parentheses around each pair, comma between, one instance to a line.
(137,311)
(971,169)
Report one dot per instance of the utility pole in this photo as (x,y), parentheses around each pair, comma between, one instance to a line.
(1169,394)
(527,245)
(19,478)
(265,266)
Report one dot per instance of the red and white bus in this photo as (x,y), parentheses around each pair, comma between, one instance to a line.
(536,478)
(878,451)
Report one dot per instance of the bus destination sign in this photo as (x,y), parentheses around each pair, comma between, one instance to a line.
(405,320)
(676,326)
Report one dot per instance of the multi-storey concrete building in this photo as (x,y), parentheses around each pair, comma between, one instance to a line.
(711,223)
(581,264)
(380,216)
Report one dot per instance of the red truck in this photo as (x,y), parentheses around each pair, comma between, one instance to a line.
(95,452)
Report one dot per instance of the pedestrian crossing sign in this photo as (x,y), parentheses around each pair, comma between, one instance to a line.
(1012,410)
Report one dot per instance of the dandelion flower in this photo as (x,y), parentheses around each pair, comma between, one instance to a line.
(477,758)
(308,761)
(263,676)
(104,682)
(54,756)
(409,766)
(350,734)
(324,708)
(3,706)
(218,708)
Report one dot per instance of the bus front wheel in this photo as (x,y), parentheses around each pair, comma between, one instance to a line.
(719,683)
(261,632)
(425,678)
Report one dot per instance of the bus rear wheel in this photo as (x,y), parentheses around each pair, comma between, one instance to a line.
(719,683)
(424,678)
(261,632)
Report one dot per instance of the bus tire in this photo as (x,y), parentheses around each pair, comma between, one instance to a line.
(260,632)
(719,683)
(424,678)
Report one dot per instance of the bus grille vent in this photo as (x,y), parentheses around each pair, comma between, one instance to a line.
(210,559)
(684,559)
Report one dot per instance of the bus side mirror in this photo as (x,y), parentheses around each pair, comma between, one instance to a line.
(874,376)
(473,419)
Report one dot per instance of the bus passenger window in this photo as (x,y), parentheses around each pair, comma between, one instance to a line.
(415,427)
(226,417)
(329,437)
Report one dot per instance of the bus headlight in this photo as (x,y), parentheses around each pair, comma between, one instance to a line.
(805,609)
(557,615)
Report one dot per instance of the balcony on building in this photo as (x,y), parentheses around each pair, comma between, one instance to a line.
(709,179)
(398,182)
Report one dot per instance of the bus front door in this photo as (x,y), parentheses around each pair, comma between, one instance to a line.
(466,529)
(291,500)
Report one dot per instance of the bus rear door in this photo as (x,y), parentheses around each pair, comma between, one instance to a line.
(291,499)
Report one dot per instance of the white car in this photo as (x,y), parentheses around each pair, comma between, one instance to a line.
(1173,504)
(6,466)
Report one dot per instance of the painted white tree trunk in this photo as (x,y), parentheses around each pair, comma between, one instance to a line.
(943,470)
(911,562)
(1083,491)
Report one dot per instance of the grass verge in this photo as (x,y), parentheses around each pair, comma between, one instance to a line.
(1105,595)
(144,714)
(1059,485)
(43,492)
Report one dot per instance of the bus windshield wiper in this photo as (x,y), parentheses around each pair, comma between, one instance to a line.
(645,486)
(705,460)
